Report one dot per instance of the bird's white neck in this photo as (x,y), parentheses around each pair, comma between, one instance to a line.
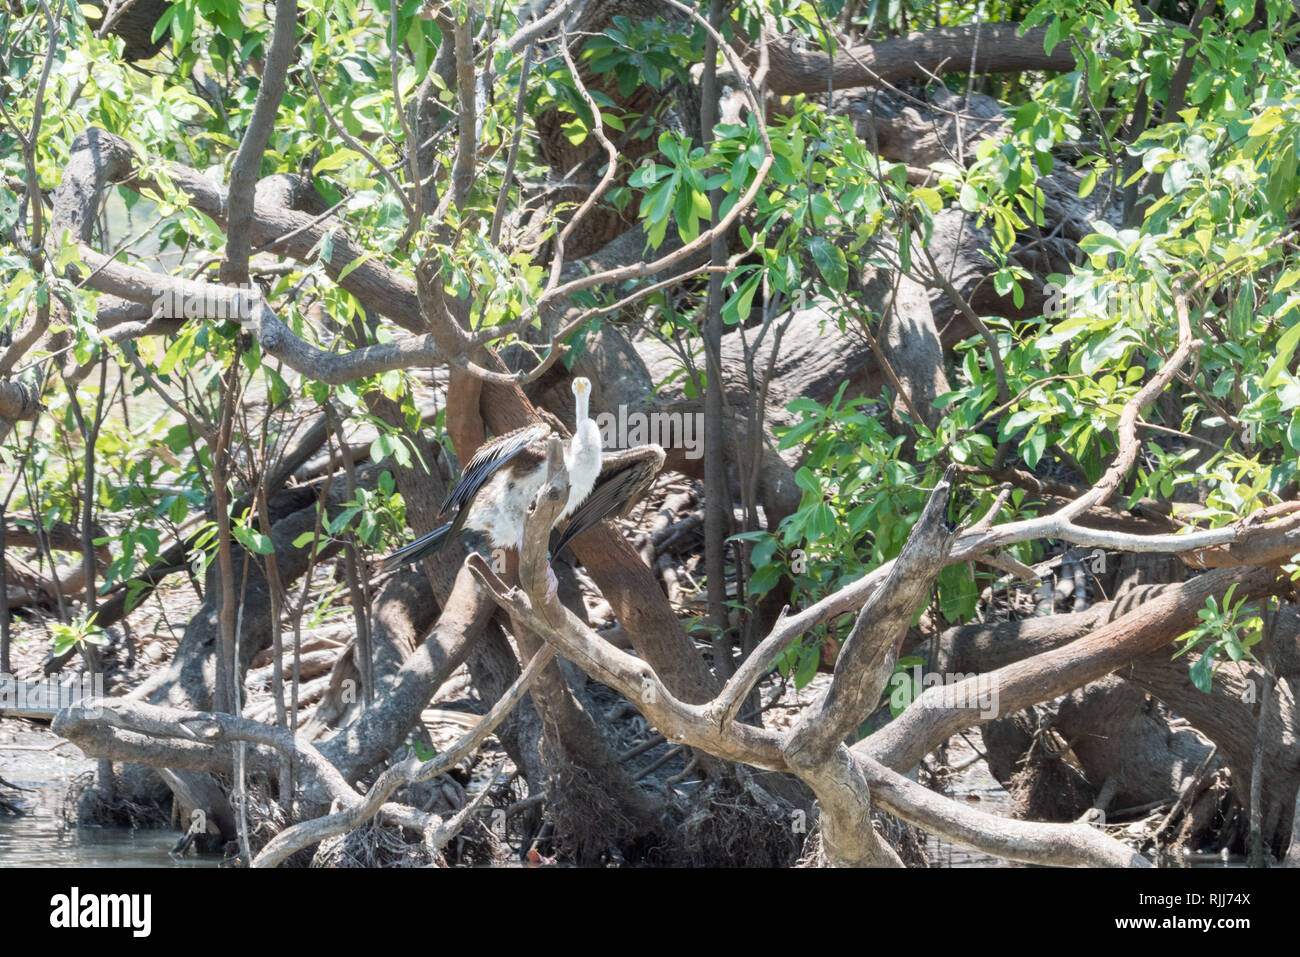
(582,457)
(581,407)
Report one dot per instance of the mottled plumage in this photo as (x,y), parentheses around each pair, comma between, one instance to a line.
(502,479)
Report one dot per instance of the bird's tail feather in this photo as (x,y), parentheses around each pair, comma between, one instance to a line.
(422,547)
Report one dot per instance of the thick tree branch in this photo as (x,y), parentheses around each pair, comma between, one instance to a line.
(246,169)
(942,711)
(981,48)
(866,660)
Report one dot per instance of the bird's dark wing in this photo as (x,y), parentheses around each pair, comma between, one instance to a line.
(623,477)
(490,457)
(422,547)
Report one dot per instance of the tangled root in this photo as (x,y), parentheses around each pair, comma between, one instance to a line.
(374,845)
(730,822)
(490,836)
(85,803)
(265,815)
(735,823)
(587,827)
(377,843)
(814,852)
(907,840)
(1048,788)
(1214,822)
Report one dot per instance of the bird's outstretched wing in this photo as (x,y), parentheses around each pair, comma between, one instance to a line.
(422,547)
(623,477)
(487,460)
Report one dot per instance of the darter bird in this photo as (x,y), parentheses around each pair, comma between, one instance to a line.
(494,492)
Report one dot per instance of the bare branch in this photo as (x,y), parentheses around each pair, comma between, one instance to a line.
(866,660)
(246,168)
(411,771)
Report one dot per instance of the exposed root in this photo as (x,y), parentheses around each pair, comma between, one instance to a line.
(374,844)
(906,839)
(737,825)
(85,803)
(814,853)
(588,828)
(266,816)
(1047,788)
(497,832)
(379,844)
(1215,822)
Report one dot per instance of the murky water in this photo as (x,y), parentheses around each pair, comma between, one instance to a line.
(36,842)
(40,839)
(33,759)
(983,793)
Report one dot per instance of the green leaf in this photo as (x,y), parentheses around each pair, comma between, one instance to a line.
(761,555)
(764,580)
(929,196)
(341,520)
(807,670)
(737,307)
(252,540)
(347,270)
(798,434)
(1267,122)
(1088,184)
(336,159)
(1286,281)
(1003,229)
(8,210)
(821,523)
(1032,449)
(830,262)
(647,175)
(1202,672)
(1052,36)
(382,447)
(807,480)
(1177,177)
(1286,346)
(658,202)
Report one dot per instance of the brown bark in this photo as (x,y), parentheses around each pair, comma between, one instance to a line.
(1114,731)
(903,742)
(983,48)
